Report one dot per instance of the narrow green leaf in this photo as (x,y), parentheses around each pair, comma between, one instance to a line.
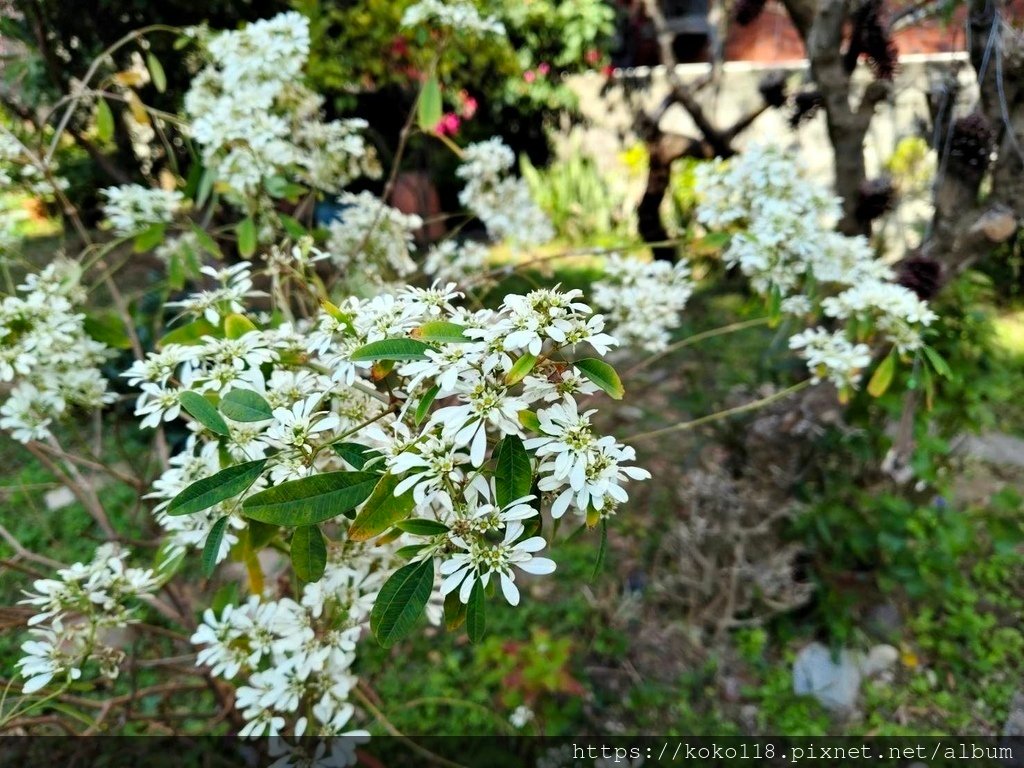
(203,494)
(883,375)
(520,369)
(310,500)
(513,476)
(190,333)
(212,547)
(391,349)
(205,187)
(292,226)
(429,106)
(424,404)
(476,614)
(382,510)
(245,405)
(602,550)
(441,331)
(309,553)
(409,551)
(941,366)
(236,326)
(260,534)
(401,601)
(149,238)
(109,328)
(529,420)
(246,233)
(603,375)
(206,241)
(156,72)
(454,611)
(358,456)
(104,120)
(421,527)
(203,411)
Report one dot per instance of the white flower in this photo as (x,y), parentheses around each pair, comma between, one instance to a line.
(831,355)
(295,426)
(479,560)
(132,207)
(458,15)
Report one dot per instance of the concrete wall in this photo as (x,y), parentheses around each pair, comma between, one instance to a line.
(610,118)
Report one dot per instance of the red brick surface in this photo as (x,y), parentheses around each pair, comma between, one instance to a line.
(772,38)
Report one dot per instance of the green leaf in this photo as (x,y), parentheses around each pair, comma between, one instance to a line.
(104,120)
(190,333)
(310,500)
(358,456)
(203,411)
(236,326)
(529,420)
(883,375)
(156,72)
(410,551)
(441,331)
(391,349)
(149,238)
(521,369)
(203,494)
(309,553)
(108,328)
(245,405)
(206,241)
(292,226)
(513,476)
(401,601)
(382,510)
(205,187)
(941,366)
(245,230)
(454,611)
(429,106)
(602,550)
(260,534)
(476,614)
(421,527)
(603,375)
(212,547)
(424,404)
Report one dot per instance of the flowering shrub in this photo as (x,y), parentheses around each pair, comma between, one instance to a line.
(398,441)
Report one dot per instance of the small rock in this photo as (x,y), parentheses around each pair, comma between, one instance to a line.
(58,498)
(834,682)
(1015,720)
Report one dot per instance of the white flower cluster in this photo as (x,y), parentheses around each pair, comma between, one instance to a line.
(46,352)
(782,240)
(643,301)
(453,262)
(132,207)
(294,653)
(485,378)
(254,120)
(458,15)
(77,613)
(234,285)
(832,355)
(371,240)
(501,201)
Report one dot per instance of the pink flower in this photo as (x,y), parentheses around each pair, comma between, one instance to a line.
(593,56)
(529,75)
(448,124)
(469,105)
(544,68)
